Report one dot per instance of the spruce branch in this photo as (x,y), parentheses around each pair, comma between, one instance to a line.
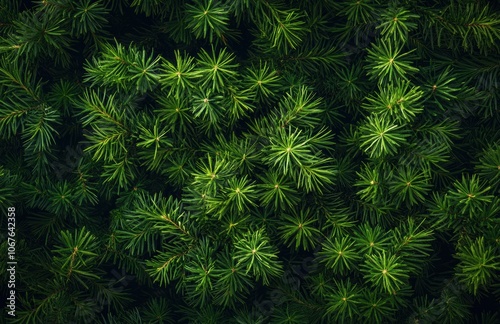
(168,265)
(370,182)
(85,184)
(350,81)
(299,227)
(287,30)
(369,240)
(358,12)
(258,256)
(478,264)
(311,61)
(381,137)
(488,166)
(316,174)
(89,17)
(299,107)
(176,112)
(217,69)
(60,201)
(148,7)
(245,152)
(108,120)
(288,150)
(211,174)
(398,101)
(41,35)
(21,93)
(199,277)
(279,190)
(123,67)
(263,81)
(207,106)
(464,25)
(427,154)
(40,129)
(158,309)
(440,88)
(470,195)
(396,22)
(76,255)
(340,255)
(289,314)
(343,301)
(375,307)
(232,284)
(208,19)
(410,186)
(179,76)
(179,168)
(339,221)
(385,271)
(153,137)
(413,244)
(241,195)
(387,63)
(63,94)
(443,132)
(239,103)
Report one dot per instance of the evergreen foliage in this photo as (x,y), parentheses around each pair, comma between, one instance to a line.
(251,161)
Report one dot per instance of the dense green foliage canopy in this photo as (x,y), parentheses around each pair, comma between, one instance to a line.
(251,161)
